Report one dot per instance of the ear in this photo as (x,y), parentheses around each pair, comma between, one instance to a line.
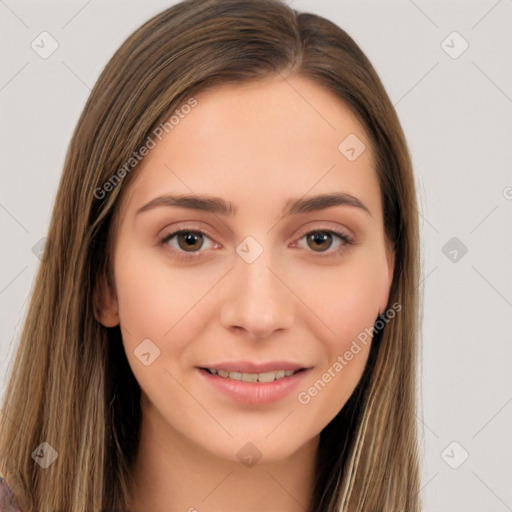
(390,257)
(106,310)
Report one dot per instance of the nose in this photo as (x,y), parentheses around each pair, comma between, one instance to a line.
(258,300)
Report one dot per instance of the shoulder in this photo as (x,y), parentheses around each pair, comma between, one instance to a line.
(8,502)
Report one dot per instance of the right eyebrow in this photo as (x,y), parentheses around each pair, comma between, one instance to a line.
(193,202)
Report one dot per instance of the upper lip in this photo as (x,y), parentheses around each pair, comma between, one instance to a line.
(254,367)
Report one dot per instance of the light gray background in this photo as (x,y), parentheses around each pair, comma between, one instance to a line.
(456,113)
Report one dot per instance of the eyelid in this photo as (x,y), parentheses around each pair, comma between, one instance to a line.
(186,226)
(329,227)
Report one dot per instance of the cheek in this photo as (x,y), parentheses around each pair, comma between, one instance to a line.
(343,299)
(346,298)
(357,302)
(164,306)
(156,301)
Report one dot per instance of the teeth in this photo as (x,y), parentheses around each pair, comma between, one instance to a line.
(253,377)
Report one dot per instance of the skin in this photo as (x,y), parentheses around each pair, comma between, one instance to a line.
(255,145)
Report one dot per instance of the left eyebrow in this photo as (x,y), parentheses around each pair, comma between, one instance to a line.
(292,206)
(322,201)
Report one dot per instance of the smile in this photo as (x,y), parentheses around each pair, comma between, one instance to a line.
(253,388)
(253,377)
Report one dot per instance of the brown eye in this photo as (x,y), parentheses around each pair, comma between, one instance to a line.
(326,243)
(189,244)
(319,240)
(189,241)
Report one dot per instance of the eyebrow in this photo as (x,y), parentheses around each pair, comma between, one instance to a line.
(219,206)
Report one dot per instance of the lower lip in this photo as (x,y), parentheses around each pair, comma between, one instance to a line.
(255,393)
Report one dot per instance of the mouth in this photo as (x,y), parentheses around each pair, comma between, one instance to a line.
(252,383)
(264,377)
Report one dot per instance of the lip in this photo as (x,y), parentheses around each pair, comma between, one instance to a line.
(255,393)
(245,366)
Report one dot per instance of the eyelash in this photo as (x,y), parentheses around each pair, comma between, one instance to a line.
(346,239)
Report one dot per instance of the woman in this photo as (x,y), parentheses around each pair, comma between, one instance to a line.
(226,314)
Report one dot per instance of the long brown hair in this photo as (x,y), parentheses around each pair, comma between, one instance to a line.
(71,385)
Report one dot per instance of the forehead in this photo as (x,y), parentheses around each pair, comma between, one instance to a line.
(273,137)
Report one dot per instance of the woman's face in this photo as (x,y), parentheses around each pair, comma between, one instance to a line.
(263,277)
